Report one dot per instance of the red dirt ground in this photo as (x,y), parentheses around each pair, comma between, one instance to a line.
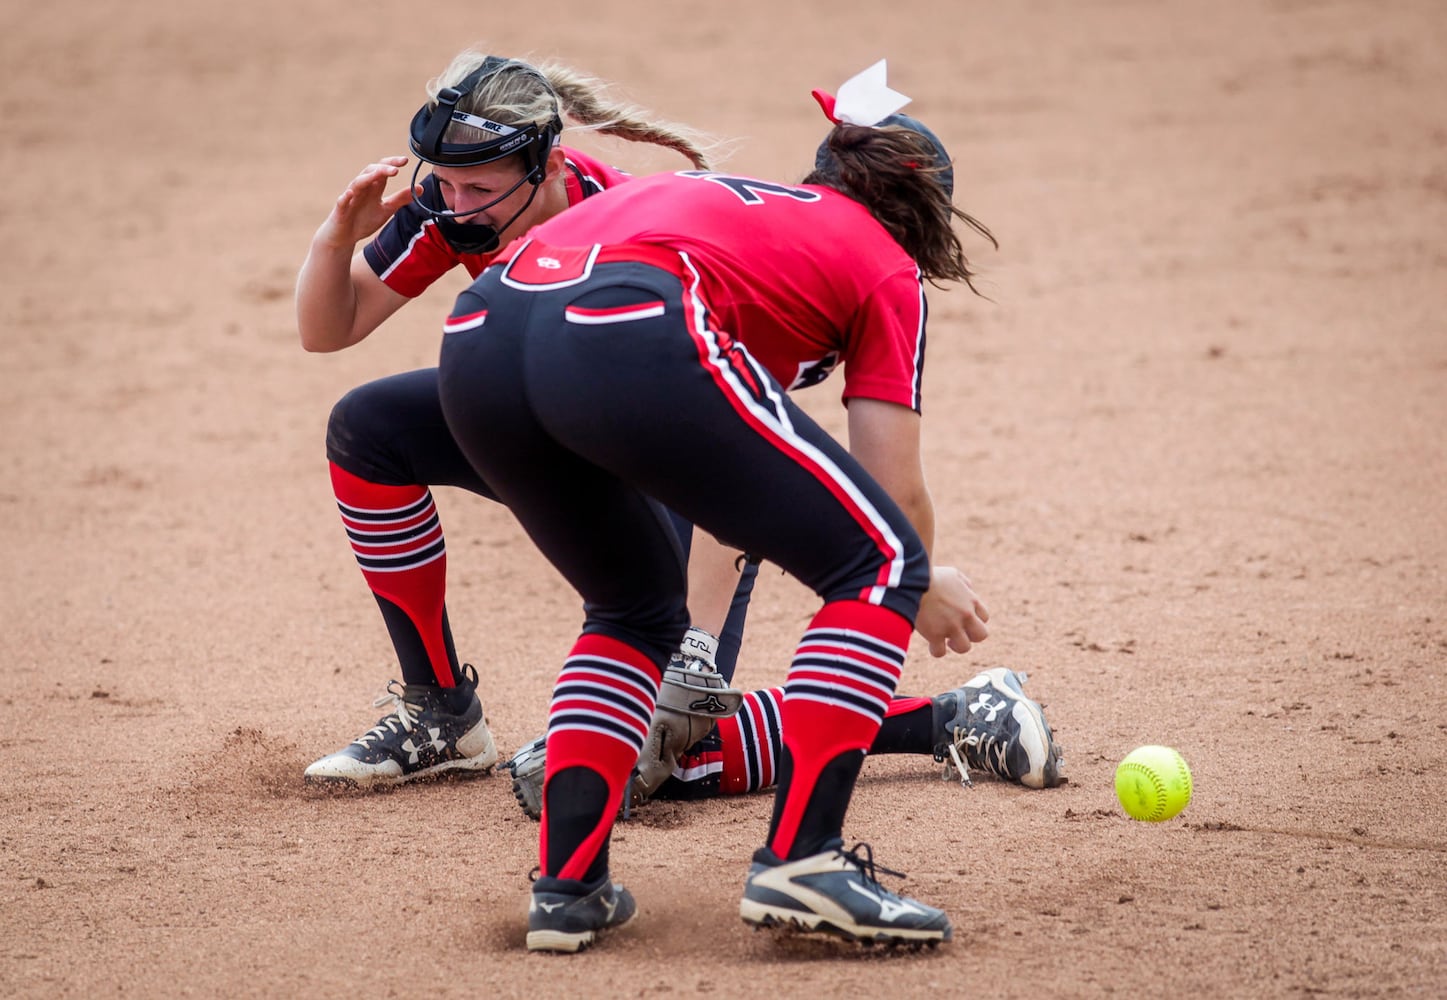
(1191,454)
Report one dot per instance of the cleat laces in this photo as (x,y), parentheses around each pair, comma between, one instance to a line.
(984,750)
(865,863)
(401,719)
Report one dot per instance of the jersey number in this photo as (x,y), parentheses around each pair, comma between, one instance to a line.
(749,189)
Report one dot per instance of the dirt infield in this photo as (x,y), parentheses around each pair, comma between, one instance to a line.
(1191,453)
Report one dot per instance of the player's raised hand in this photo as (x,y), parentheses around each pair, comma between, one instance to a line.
(951,615)
(364,207)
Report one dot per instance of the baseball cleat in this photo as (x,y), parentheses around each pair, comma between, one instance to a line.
(835,893)
(565,915)
(988,724)
(419,738)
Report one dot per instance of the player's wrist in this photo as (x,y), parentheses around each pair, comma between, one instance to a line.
(699,644)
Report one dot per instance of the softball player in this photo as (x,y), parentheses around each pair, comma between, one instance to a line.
(490,133)
(663,321)
(497,169)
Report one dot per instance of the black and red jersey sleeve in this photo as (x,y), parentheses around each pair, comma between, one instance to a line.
(884,347)
(410,252)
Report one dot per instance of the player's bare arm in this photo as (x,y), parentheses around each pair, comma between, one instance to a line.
(713,576)
(885,438)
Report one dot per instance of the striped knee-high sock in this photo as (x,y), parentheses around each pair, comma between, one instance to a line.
(397,539)
(602,706)
(839,686)
(752,743)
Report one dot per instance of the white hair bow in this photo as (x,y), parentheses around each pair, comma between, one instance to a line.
(863,99)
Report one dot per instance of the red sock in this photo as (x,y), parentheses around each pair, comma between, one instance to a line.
(397,539)
(599,719)
(839,687)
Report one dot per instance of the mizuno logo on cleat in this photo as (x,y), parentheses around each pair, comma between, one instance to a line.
(889,909)
(549,907)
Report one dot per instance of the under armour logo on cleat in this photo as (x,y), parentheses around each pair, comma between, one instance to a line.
(414,751)
(709,706)
(985,703)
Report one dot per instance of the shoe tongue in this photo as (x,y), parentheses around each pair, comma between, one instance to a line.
(421,696)
(414,704)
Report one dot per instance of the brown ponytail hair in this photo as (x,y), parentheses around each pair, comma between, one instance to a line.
(896,174)
(521,94)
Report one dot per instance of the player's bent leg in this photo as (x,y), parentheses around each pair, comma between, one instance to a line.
(421,737)
(387,444)
(386,440)
(601,701)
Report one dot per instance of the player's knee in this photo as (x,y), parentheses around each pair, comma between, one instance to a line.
(342,427)
(355,432)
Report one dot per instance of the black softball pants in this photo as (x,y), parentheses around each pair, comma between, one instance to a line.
(585,407)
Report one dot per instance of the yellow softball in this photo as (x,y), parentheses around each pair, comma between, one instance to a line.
(1153,783)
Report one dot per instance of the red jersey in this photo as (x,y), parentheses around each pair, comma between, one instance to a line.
(409,252)
(804,276)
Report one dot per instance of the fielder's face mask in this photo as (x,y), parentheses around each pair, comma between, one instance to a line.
(532,142)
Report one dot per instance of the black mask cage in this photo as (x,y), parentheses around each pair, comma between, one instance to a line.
(533,141)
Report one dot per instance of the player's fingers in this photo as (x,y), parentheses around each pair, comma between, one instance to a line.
(397,199)
(976,629)
(369,181)
(374,176)
(937,647)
